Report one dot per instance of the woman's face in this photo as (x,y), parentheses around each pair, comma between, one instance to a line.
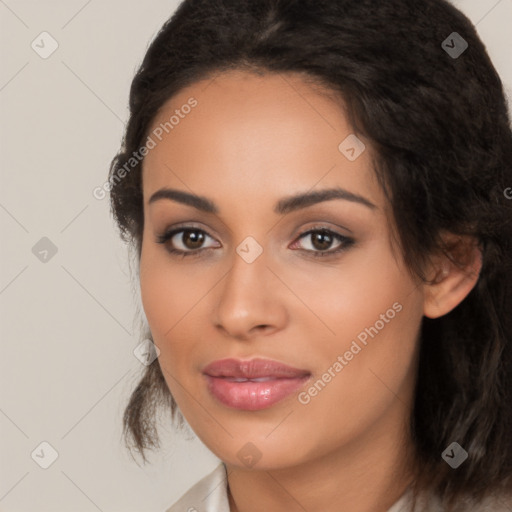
(311,283)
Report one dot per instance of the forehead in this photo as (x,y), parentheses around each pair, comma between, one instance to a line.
(254,135)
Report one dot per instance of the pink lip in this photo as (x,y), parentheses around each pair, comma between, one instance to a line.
(254,384)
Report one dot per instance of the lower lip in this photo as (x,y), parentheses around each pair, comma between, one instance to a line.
(250,395)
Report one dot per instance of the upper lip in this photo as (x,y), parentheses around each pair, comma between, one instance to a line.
(253,369)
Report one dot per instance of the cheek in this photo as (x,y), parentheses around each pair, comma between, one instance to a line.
(173,298)
(373,311)
(165,301)
(167,289)
(164,294)
(350,296)
(347,397)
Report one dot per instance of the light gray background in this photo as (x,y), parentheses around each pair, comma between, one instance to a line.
(67,326)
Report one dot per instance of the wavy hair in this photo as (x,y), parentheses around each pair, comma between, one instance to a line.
(441,131)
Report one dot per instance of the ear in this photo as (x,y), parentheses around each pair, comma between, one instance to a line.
(453,275)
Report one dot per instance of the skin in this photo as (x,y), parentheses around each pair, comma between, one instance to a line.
(250,142)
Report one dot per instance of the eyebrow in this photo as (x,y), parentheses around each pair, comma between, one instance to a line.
(283,206)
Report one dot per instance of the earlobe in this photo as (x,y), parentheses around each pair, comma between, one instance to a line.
(453,278)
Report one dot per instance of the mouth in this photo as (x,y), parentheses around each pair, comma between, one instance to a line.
(253,385)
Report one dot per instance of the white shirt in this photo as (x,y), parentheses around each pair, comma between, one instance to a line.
(210,495)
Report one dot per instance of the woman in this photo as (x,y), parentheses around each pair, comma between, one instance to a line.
(316,194)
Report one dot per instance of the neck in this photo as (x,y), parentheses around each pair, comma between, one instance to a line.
(370,475)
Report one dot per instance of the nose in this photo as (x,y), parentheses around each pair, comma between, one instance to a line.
(250,300)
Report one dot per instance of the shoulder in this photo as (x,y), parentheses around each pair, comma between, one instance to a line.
(499,503)
(207,495)
(432,503)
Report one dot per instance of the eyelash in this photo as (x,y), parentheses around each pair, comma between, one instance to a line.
(345,242)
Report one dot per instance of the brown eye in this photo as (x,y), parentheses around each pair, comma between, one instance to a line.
(186,241)
(321,240)
(192,239)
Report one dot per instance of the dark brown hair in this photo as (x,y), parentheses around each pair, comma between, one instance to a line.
(441,130)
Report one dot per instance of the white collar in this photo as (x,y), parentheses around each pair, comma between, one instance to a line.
(210,495)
